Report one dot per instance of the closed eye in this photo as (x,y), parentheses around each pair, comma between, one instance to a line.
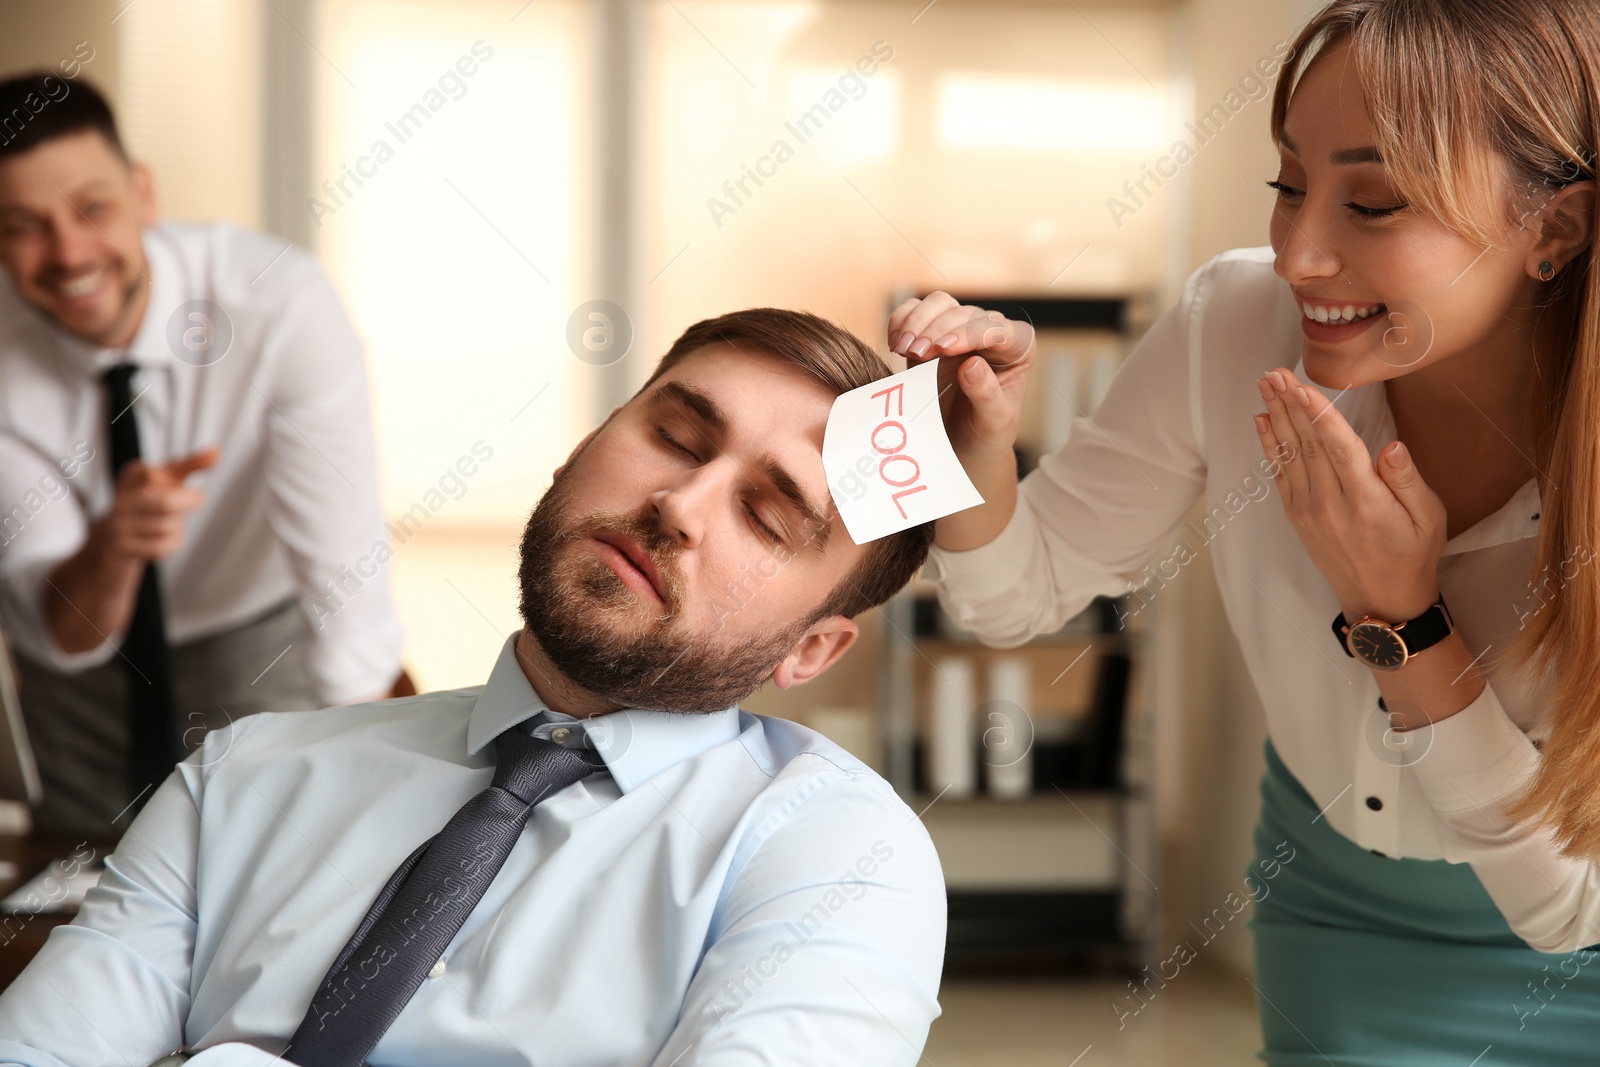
(771,534)
(1289,192)
(1374,212)
(661,432)
(766,531)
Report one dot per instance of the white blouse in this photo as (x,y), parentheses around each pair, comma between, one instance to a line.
(1106,514)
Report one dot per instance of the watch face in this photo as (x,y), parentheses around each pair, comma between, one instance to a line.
(1377,645)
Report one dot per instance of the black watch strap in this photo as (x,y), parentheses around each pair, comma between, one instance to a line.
(1424,631)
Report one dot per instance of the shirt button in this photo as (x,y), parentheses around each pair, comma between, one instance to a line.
(1374,803)
(560,734)
(437,970)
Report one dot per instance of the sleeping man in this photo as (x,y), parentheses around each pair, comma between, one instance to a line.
(596,857)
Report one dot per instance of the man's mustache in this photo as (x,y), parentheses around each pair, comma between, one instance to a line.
(663,549)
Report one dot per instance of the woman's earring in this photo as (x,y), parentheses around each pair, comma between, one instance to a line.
(1546,271)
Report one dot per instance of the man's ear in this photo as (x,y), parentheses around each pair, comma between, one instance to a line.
(1566,227)
(583,444)
(823,643)
(144,191)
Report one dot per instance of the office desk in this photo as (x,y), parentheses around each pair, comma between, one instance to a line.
(22,932)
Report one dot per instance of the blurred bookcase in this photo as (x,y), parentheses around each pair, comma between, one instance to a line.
(1066,872)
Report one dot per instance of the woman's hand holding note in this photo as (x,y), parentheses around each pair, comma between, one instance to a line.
(980,399)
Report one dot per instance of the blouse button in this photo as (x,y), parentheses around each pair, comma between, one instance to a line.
(437,970)
(560,734)
(1374,803)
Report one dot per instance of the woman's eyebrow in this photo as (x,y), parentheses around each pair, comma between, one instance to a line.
(1364,154)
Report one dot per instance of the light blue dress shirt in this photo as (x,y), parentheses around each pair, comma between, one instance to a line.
(736,890)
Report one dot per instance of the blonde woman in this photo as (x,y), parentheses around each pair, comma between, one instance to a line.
(1420,608)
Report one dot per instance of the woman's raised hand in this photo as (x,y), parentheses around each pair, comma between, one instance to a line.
(980,398)
(1375,531)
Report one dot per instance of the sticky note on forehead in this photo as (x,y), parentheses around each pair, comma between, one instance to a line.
(889,463)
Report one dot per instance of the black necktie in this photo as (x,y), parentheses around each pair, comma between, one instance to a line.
(146,659)
(425,902)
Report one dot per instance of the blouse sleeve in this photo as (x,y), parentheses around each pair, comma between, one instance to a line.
(1094,512)
(1471,766)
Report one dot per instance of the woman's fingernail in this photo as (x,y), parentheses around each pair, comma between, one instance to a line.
(946,341)
(1261,424)
(1265,387)
(1277,380)
(1305,397)
(920,346)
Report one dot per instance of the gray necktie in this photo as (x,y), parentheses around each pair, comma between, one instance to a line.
(425,902)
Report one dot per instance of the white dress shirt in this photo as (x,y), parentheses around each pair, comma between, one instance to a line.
(737,889)
(1105,514)
(292,504)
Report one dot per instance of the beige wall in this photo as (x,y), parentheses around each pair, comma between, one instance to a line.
(39,34)
(838,237)
(191,104)
(184,79)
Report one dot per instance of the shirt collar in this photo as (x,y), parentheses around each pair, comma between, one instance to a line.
(636,744)
(149,347)
(1366,409)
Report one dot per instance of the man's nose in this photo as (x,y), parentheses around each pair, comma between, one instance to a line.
(684,506)
(73,242)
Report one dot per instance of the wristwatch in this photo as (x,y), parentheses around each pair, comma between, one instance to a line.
(1386,646)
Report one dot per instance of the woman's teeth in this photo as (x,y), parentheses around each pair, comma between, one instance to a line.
(1338,316)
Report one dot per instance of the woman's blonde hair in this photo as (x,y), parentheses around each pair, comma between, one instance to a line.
(1482,110)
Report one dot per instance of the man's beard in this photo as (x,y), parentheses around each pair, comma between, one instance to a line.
(598,632)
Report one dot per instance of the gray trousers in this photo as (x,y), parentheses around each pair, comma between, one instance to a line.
(78,729)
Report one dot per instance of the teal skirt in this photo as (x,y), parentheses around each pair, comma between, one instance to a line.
(1366,961)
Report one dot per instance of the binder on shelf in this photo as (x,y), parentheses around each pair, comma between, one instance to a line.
(952,767)
(1101,751)
(1008,729)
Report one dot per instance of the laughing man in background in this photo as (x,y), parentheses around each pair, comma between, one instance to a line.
(186,465)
